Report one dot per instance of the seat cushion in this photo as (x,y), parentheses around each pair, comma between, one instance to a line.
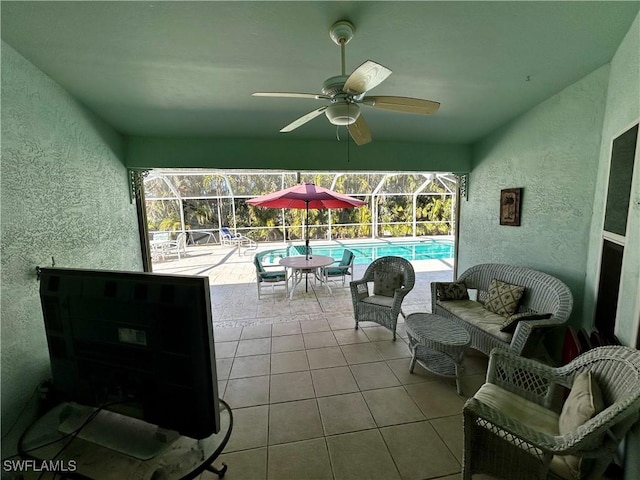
(385,283)
(336,271)
(379,300)
(503,298)
(474,313)
(524,411)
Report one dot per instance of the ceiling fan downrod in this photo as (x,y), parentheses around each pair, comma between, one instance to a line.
(341,33)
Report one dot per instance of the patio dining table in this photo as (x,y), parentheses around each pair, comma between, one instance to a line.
(300,264)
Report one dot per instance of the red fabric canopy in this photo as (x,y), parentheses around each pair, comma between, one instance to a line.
(306,195)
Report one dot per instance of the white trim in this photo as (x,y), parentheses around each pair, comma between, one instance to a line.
(614,237)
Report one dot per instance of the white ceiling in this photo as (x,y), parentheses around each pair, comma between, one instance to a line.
(189,68)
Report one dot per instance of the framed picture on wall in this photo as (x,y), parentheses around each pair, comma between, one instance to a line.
(510,206)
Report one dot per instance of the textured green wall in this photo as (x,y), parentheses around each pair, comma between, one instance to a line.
(623,109)
(551,152)
(290,154)
(64,195)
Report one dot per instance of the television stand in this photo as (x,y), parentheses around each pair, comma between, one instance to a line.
(111,446)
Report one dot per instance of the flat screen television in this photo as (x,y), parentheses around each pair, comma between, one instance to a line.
(140,344)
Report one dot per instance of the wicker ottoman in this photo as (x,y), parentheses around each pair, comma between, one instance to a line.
(438,345)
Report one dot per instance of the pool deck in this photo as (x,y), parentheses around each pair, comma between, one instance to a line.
(234,294)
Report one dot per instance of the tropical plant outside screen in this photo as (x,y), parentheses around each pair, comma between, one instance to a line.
(202,201)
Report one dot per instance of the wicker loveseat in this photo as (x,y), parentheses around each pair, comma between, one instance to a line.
(543,294)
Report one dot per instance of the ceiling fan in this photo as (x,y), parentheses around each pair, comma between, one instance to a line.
(347,93)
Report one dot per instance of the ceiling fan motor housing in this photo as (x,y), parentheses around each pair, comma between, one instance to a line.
(342,113)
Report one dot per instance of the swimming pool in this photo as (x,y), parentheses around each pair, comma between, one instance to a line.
(366,252)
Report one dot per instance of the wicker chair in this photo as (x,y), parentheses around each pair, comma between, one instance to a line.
(497,444)
(382,306)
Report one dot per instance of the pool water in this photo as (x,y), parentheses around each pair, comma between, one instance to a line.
(367,252)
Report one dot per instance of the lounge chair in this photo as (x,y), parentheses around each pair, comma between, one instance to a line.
(343,268)
(236,239)
(269,277)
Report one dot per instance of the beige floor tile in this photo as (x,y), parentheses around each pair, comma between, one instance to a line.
(378,333)
(472,383)
(392,406)
(319,340)
(247,392)
(345,413)
(333,381)
(374,375)
(400,368)
(286,328)
(286,387)
(325,357)
(227,334)
(418,451)
(294,421)
(315,326)
(222,386)
(287,362)
(450,430)
(226,349)
(360,455)
(256,331)
(223,367)
(287,343)
(391,350)
(350,335)
(251,366)
(475,362)
(257,346)
(307,460)
(360,353)
(437,399)
(250,427)
(338,322)
(245,465)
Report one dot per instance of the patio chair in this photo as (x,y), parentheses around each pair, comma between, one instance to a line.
(176,247)
(266,277)
(515,426)
(393,278)
(343,268)
(301,250)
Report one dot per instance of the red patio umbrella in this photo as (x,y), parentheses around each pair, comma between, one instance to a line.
(306,195)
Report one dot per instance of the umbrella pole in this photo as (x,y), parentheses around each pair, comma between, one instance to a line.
(306,276)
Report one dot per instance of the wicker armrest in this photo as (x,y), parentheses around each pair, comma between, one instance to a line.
(528,378)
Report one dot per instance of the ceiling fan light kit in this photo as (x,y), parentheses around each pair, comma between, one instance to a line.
(347,92)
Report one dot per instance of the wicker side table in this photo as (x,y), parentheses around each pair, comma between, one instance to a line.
(438,345)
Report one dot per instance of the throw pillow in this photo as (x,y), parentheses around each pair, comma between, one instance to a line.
(503,298)
(510,324)
(385,283)
(451,291)
(582,404)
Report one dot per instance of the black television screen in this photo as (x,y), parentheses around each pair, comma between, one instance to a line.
(140,344)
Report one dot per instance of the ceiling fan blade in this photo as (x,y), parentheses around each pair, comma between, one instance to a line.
(316,96)
(359,131)
(403,104)
(365,77)
(304,119)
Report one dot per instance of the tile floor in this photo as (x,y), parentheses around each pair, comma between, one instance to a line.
(313,398)
(319,399)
